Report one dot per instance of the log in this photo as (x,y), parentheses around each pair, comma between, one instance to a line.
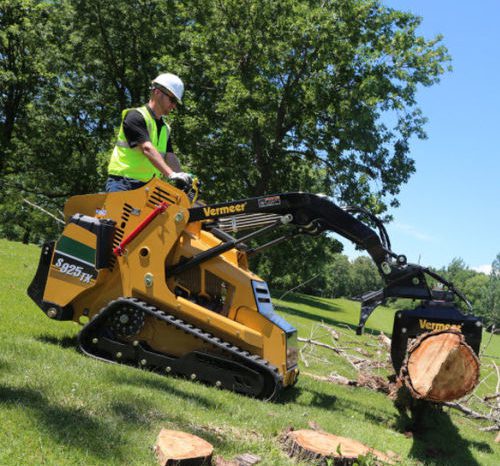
(440,366)
(322,448)
(175,448)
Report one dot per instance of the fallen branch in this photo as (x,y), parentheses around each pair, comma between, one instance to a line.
(490,428)
(373,382)
(485,347)
(491,397)
(323,345)
(339,351)
(498,383)
(331,331)
(332,378)
(469,412)
(32,204)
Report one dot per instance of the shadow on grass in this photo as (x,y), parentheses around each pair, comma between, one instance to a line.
(374,418)
(316,302)
(310,301)
(164,384)
(63,342)
(316,398)
(309,315)
(138,413)
(326,320)
(161,383)
(67,426)
(142,414)
(436,440)
(4,364)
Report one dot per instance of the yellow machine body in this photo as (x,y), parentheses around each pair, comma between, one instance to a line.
(219,296)
(160,283)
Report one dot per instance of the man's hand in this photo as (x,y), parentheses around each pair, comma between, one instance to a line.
(181,180)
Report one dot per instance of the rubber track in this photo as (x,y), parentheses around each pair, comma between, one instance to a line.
(273,380)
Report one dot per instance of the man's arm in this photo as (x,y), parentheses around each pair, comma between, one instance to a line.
(180,179)
(155,158)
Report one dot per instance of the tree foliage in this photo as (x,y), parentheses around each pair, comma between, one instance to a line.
(483,291)
(278,86)
(281,95)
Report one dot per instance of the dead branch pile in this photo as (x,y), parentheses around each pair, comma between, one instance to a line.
(371,367)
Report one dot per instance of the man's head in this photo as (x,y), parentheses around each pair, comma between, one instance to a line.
(169,84)
(166,91)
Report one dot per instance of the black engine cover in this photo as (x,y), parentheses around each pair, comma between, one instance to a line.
(432,315)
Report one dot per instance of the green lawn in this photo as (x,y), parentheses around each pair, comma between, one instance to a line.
(58,407)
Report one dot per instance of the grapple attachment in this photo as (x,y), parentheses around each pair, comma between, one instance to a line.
(430,316)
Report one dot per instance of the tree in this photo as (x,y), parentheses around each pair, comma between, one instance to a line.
(275,86)
(491,301)
(281,95)
(475,288)
(304,259)
(24,40)
(27,44)
(483,292)
(365,276)
(339,277)
(97,68)
(289,95)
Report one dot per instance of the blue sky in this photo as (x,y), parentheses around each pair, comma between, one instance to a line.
(451,205)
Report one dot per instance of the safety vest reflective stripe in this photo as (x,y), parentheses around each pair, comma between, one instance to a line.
(126,144)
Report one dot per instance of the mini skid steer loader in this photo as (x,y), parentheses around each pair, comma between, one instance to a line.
(164,285)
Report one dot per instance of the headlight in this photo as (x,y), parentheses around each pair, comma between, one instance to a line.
(292,350)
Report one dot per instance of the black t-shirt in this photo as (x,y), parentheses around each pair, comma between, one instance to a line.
(136,131)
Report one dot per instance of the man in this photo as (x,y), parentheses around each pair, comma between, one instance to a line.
(144,147)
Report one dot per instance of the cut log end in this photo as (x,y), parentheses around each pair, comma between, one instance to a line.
(175,448)
(440,366)
(323,448)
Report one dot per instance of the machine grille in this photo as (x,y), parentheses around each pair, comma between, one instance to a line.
(159,195)
(120,231)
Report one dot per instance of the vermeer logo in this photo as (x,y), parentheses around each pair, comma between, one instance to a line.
(228,209)
(426,325)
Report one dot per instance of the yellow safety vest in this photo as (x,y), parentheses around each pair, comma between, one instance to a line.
(131,162)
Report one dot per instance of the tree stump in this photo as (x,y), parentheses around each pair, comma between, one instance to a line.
(440,366)
(174,448)
(322,447)
(246,459)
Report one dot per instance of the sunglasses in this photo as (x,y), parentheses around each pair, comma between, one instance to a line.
(172,97)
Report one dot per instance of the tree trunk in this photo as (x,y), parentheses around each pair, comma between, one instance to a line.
(174,448)
(440,366)
(322,448)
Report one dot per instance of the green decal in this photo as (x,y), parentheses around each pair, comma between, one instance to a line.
(76,249)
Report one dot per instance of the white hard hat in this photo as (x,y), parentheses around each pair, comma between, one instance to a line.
(170,82)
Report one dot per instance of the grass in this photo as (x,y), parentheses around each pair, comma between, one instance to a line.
(58,407)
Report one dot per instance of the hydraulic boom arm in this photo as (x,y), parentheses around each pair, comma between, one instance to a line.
(313,214)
